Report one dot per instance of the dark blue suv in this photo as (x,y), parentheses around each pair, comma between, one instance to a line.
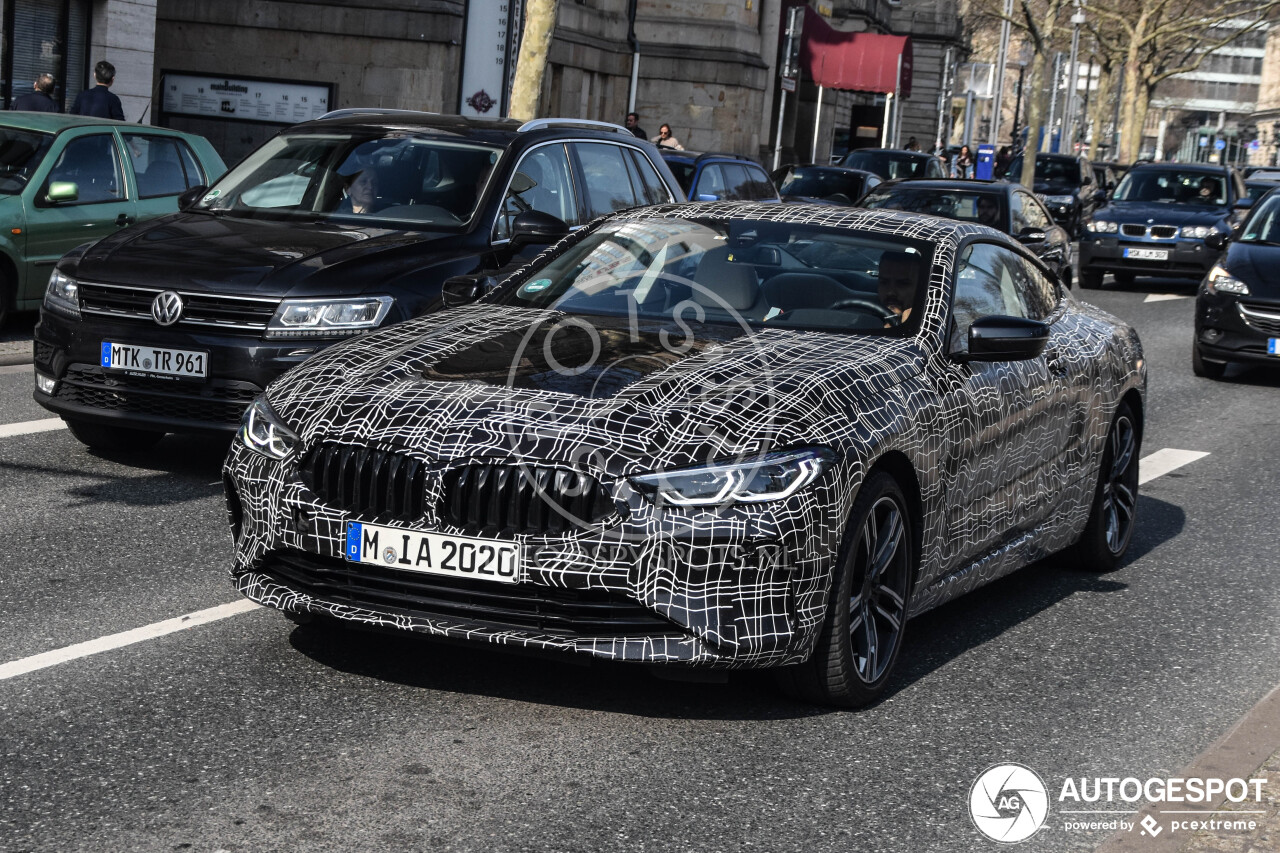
(720,177)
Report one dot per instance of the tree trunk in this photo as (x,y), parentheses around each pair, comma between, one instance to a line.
(535,46)
(1035,95)
(1130,136)
(1100,108)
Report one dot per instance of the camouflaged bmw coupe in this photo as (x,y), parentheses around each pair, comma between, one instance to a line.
(726,435)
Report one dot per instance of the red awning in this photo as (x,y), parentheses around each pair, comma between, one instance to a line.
(855,62)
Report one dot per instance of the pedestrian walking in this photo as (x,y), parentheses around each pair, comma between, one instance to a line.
(100,101)
(912,144)
(962,166)
(41,99)
(664,139)
(633,125)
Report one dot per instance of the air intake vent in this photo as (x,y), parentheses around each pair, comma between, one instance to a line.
(375,484)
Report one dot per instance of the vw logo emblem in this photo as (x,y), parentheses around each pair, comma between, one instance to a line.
(167,308)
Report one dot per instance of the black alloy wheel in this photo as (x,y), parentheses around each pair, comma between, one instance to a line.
(867,612)
(1204,367)
(1111,522)
(114,438)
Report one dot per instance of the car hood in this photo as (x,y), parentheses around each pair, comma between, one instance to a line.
(499,381)
(1255,264)
(1161,213)
(250,256)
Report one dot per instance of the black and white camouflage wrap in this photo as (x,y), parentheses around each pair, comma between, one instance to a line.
(1000,458)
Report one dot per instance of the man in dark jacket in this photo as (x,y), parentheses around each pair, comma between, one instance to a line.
(40,100)
(99,101)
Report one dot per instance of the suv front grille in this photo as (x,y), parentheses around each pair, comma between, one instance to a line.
(218,402)
(376,484)
(1263,321)
(558,612)
(514,498)
(1164,232)
(217,310)
(1133,230)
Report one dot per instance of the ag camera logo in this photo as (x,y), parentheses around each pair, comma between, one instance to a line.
(1008,803)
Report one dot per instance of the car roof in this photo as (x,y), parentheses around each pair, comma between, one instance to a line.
(949,184)
(502,131)
(1166,166)
(829,167)
(890,151)
(57,122)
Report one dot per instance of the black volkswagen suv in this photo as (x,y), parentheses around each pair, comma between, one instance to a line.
(330,229)
(1066,185)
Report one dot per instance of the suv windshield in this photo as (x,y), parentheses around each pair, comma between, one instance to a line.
(20,154)
(887,164)
(821,183)
(394,177)
(747,273)
(951,204)
(1173,186)
(1050,170)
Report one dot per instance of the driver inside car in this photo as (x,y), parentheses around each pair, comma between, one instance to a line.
(899,273)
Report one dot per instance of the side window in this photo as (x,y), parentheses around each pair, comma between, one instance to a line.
(1018,213)
(607,179)
(761,186)
(990,281)
(1033,212)
(160,165)
(552,191)
(710,183)
(737,183)
(92,163)
(934,168)
(655,190)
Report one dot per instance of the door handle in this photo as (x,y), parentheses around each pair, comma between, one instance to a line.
(1057,367)
(123,220)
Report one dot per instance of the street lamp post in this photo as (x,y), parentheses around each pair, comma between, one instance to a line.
(1073,82)
(998,90)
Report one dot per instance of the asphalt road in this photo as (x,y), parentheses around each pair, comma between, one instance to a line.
(251,734)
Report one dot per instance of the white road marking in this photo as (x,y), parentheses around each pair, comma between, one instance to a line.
(125,638)
(1164,297)
(1163,461)
(27,427)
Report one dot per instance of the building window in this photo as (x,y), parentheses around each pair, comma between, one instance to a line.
(45,36)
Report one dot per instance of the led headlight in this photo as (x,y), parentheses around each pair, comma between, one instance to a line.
(769,478)
(1059,199)
(62,296)
(1221,281)
(1102,226)
(1197,232)
(262,431)
(310,318)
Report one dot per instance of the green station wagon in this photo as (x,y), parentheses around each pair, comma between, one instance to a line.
(67,180)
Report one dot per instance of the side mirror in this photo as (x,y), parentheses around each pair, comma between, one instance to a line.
(60,191)
(707,197)
(1100,197)
(1000,338)
(191,196)
(536,227)
(1216,241)
(1032,235)
(465,289)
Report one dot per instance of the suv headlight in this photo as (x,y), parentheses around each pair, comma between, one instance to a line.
(262,431)
(1102,226)
(311,318)
(772,477)
(1197,232)
(1059,199)
(62,296)
(1221,281)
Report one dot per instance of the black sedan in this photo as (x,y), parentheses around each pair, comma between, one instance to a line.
(724,435)
(1157,221)
(823,184)
(1003,206)
(1238,305)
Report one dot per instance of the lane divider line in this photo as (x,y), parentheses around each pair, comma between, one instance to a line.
(28,427)
(1165,460)
(125,638)
(1165,297)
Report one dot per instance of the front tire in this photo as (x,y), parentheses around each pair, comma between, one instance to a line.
(1204,367)
(867,610)
(1112,518)
(103,437)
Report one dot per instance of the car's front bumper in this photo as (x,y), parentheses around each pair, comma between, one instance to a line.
(240,366)
(745,588)
(1106,253)
(1231,328)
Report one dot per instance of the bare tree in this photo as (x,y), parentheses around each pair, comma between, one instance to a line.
(531,65)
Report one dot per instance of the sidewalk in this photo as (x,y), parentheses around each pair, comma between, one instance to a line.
(15,352)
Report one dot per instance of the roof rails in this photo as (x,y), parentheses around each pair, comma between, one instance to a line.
(373,111)
(709,154)
(549,123)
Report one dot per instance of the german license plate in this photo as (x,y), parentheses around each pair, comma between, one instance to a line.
(433,553)
(155,361)
(1147,254)
(1273,346)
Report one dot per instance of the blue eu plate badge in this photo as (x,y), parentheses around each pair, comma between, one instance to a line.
(1273,346)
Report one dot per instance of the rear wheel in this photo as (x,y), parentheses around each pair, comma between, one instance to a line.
(102,437)
(867,610)
(1204,367)
(1090,279)
(1115,502)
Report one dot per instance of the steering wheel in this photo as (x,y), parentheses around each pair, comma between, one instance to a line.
(869,306)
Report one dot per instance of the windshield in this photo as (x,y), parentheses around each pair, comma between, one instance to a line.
(20,154)
(887,164)
(1263,226)
(1173,186)
(745,273)
(1050,170)
(822,183)
(394,178)
(983,208)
